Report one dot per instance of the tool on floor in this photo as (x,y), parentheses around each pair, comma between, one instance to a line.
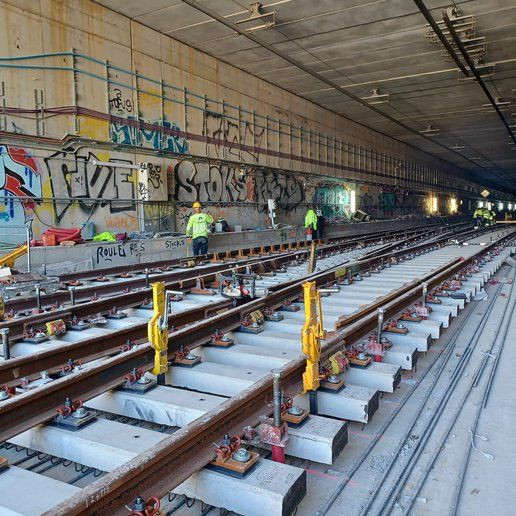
(158,329)
(311,336)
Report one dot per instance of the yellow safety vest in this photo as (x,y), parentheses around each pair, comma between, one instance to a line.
(199,225)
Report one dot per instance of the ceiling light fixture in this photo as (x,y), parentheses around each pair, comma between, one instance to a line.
(430,130)
(376,97)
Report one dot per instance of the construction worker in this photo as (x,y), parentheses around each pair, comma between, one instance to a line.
(198,229)
(486,215)
(311,221)
(493,217)
(478,216)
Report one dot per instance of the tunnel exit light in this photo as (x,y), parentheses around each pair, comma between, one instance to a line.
(453,205)
(435,206)
(480,204)
(489,205)
(500,205)
(353,201)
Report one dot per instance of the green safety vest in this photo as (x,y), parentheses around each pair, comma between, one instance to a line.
(311,219)
(199,225)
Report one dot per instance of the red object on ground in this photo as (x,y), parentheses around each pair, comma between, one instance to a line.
(61,235)
(48,239)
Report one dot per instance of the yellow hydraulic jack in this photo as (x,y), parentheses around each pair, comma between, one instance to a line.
(158,329)
(311,336)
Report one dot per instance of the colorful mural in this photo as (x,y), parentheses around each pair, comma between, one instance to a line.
(333,200)
(20,186)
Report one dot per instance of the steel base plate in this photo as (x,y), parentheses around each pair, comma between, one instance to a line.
(35,340)
(79,327)
(221,343)
(185,362)
(138,388)
(117,315)
(234,468)
(249,329)
(332,387)
(295,421)
(71,423)
(290,308)
(276,317)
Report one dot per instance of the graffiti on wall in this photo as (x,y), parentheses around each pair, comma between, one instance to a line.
(287,190)
(210,182)
(333,200)
(162,138)
(76,177)
(20,184)
(152,183)
(388,203)
(227,136)
(224,132)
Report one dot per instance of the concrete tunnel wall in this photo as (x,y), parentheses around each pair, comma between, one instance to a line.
(204,130)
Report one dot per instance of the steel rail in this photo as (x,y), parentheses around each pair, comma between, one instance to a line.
(173,460)
(187,273)
(52,359)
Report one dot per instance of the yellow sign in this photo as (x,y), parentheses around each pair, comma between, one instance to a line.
(485,193)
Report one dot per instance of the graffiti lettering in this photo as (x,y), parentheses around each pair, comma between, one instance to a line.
(119,104)
(78,177)
(107,253)
(208,182)
(163,138)
(333,200)
(121,223)
(154,176)
(286,190)
(136,247)
(171,244)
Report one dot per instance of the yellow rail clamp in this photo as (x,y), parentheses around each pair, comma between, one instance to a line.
(158,328)
(311,335)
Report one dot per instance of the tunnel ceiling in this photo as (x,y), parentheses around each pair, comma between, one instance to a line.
(382,51)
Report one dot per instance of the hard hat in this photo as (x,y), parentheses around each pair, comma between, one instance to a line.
(196,204)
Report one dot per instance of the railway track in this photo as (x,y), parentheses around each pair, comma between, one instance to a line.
(180,273)
(220,364)
(393,476)
(86,340)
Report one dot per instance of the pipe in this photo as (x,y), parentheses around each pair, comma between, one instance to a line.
(5,343)
(429,18)
(319,77)
(473,69)
(244,33)
(72,295)
(380,323)
(276,386)
(38,297)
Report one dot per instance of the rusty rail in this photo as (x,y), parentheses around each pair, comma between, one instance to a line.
(163,467)
(51,359)
(25,410)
